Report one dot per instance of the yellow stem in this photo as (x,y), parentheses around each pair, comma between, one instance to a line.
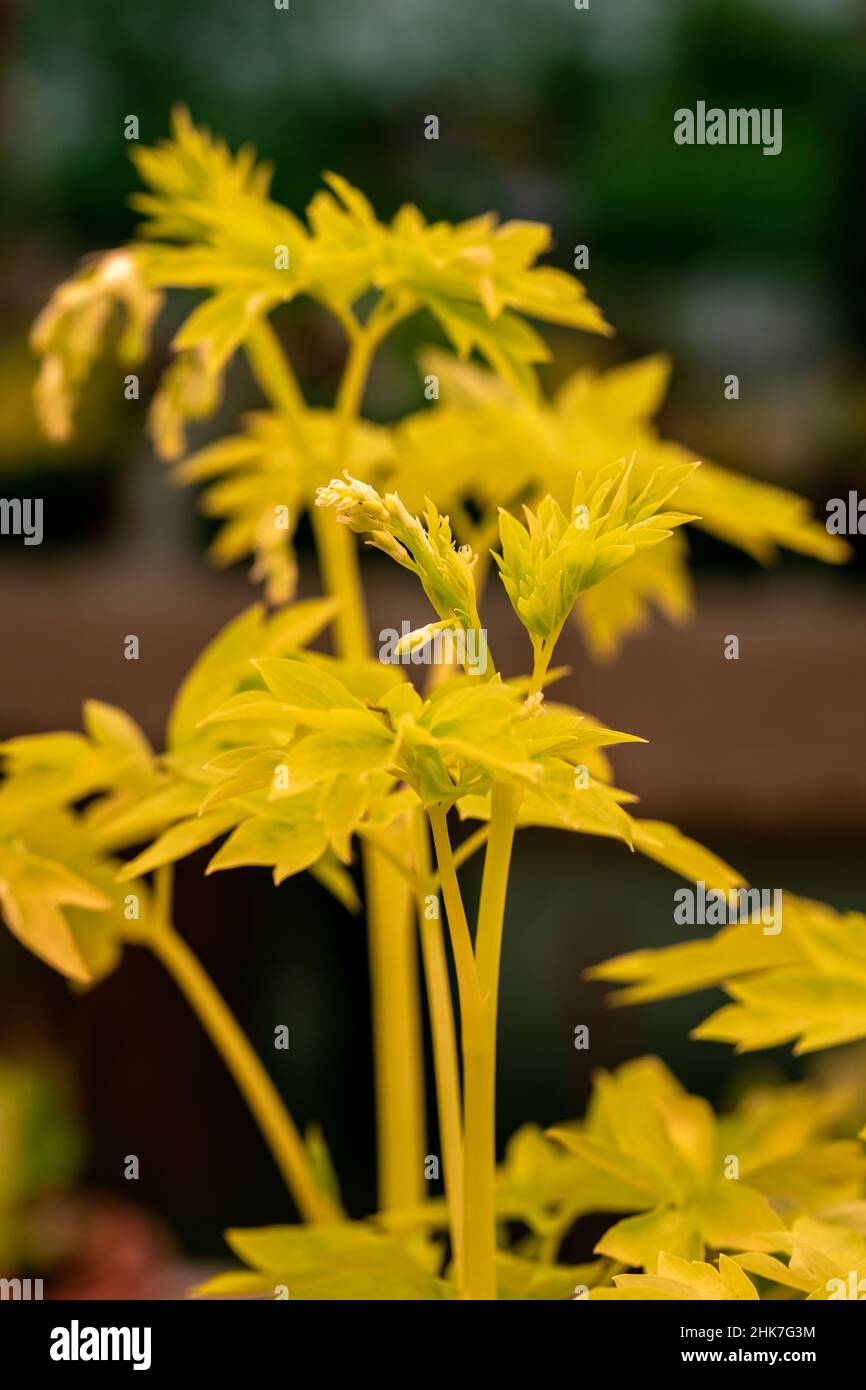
(375,838)
(480,1078)
(396,1032)
(542,651)
(469,846)
(458,927)
(479,1171)
(255,1085)
(391,935)
(341,576)
(336,546)
(477,1019)
(272,370)
(395,990)
(446,1071)
(504,802)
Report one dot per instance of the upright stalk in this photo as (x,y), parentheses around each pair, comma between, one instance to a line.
(481,1081)
(397,1047)
(478,1002)
(479,1170)
(504,800)
(335,547)
(337,553)
(395,989)
(445,1068)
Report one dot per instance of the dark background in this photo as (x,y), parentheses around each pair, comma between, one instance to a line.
(729,260)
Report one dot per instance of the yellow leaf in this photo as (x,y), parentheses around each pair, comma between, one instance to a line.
(622,606)
(673,849)
(180,840)
(299,686)
(272,842)
(344,1261)
(683,1279)
(59,896)
(115,731)
(226,662)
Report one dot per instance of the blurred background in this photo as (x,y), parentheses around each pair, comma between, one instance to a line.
(729,261)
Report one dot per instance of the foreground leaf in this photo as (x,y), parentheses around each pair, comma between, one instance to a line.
(678,1279)
(341,1262)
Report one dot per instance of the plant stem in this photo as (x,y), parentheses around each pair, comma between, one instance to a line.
(541,654)
(446,1072)
(479,1167)
(335,545)
(272,370)
(341,577)
(391,932)
(394,984)
(469,846)
(255,1085)
(458,927)
(478,983)
(480,1078)
(504,801)
(478,1035)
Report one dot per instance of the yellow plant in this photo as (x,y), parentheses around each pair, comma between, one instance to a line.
(292,759)
(679,1280)
(806,985)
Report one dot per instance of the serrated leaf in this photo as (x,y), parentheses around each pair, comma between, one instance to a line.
(667,1153)
(670,847)
(271,842)
(344,1261)
(116,732)
(226,662)
(682,1279)
(59,896)
(299,686)
(181,839)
